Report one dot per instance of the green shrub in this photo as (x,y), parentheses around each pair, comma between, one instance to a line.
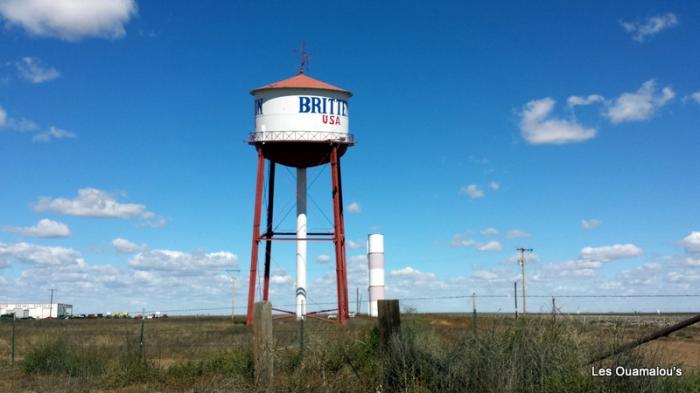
(58,357)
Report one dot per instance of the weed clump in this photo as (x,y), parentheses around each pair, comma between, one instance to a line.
(59,357)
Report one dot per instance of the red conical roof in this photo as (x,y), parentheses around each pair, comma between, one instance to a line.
(300,81)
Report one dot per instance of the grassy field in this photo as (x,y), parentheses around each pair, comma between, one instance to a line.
(435,353)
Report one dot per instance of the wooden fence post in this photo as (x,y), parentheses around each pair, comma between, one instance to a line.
(389,320)
(263,345)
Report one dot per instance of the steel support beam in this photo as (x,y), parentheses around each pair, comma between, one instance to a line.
(339,238)
(256,235)
(268,232)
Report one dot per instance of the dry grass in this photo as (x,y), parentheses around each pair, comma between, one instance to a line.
(434,353)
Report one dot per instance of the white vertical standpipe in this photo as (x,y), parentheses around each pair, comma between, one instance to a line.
(301,244)
(375,258)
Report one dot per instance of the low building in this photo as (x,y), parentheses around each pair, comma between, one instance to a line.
(38,311)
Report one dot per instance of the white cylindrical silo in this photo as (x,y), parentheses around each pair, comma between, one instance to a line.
(301,244)
(375,258)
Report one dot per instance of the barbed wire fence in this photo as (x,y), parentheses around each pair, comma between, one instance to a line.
(189,334)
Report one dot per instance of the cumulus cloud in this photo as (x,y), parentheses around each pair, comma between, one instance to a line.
(575,101)
(459,241)
(489,232)
(69,20)
(485,275)
(353,245)
(641,105)
(592,258)
(323,258)
(696,96)
(490,246)
(472,191)
(179,261)
(33,71)
(590,224)
(20,125)
(354,208)
(123,246)
(92,202)
(51,134)
(44,228)
(38,255)
(609,253)
(414,275)
(517,233)
(691,243)
(537,127)
(494,185)
(642,30)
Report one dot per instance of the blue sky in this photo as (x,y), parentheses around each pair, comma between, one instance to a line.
(481,128)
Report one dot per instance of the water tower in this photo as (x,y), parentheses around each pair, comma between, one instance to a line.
(300,122)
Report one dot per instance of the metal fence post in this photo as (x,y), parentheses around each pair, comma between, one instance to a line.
(474,314)
(301,337)
(141,343)
(14,323)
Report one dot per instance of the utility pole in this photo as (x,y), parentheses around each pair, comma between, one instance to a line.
(357,297)
(522,269)
(515,297)
(233,292)
(51,305)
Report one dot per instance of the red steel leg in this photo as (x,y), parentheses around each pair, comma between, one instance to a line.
(268,232)
(256,235)
(339,238)
(346,308)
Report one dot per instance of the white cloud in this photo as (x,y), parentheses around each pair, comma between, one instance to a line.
(641,105)
(472,190)
(53,133)
(354,208)
(494,185)
(592,258)
(489,232)
(590,224)
(537,128)
(323,258)
(353,245)
(21,125)
(92,202)
(414,275)
(123,246)
(178,261)
(44,228)
(684,277)
(530,257)
(609,253)
(69,19)
(3,117)
(696,96)
(575,101)
(517,233)
(459,241)
(490,246)
(691,243)
(38,255)
(485,275)
(33,71)
(651,26)
(280,277)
